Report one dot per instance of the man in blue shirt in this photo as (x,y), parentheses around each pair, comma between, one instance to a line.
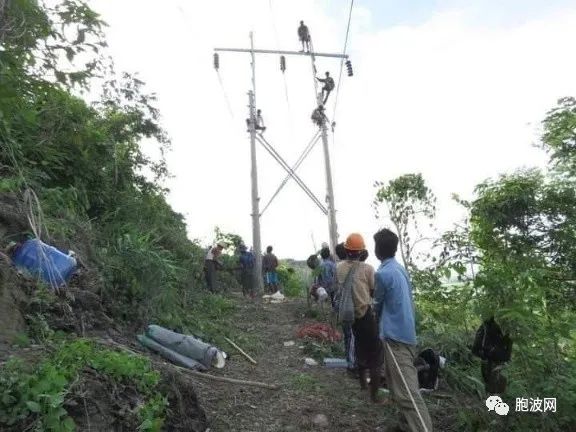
(327,275)
(395,311)
(246,260)
(269,266)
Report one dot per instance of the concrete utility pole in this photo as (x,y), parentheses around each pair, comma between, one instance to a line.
(256,241)
(332,227)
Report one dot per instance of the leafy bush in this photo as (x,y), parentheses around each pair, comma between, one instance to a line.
(37,396)
(291,281)
(514,259)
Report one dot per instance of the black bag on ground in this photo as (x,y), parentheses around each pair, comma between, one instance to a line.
(427,364)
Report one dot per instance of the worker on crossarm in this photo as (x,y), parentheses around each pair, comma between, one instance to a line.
(304,36)
(212,264)
(328,86)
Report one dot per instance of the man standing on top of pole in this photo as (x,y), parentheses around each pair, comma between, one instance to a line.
(328,86)
(304,36)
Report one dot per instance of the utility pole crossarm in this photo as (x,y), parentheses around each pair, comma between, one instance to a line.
(261,51)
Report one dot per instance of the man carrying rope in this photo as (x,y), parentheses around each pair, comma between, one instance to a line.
(395,310)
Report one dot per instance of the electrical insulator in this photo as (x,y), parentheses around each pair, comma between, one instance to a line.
(216,61)
(282,63)
(349,67)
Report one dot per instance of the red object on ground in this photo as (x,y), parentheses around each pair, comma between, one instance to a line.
(319,331)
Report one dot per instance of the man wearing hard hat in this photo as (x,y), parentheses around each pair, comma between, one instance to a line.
(367,348)
(211,264)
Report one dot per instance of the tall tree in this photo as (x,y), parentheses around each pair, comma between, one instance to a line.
(406,201)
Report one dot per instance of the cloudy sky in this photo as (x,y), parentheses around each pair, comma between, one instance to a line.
(452,89)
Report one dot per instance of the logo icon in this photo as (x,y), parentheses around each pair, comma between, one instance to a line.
(495,403)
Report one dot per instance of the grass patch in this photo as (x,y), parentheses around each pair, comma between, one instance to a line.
(304,382)
(293,281)
(21,340)
(321,350)
(35,396)
(212,318)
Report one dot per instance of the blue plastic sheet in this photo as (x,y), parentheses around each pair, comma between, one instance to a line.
(44,262)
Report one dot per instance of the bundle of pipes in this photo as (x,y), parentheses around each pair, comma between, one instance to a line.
(181,349)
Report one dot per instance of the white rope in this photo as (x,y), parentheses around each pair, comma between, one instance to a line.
(35,217)
(35,220)
(406,386)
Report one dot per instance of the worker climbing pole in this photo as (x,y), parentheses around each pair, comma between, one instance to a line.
(319,117)
(322,122)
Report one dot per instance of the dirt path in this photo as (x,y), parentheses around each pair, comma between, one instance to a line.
(306,391)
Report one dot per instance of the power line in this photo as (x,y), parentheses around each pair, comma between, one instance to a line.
(340,78)
(342,61)
(186,18)
(283,73)
(330,210)
(225,95)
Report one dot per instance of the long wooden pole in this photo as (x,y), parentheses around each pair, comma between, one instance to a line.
(224,379)
(241,351)
(191,372)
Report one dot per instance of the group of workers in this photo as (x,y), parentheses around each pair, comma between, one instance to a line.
(246,261)
(382,337)
(318,115)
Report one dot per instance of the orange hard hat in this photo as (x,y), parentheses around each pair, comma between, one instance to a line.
(355,242)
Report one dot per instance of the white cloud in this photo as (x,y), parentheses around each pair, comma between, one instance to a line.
(454,100)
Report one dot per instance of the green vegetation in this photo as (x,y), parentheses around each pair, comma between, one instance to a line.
(101,196)
(292,280)
(35,398)
(304,382)
(85,163)
(514,256)
(321,350)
